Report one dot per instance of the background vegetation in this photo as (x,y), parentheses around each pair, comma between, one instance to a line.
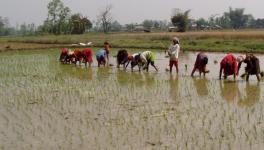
(232,31)
(238,41)
(60,20)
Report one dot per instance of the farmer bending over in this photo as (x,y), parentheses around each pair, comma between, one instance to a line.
(87,54)
(134,60)
(200,64)
(101,57)
(63,55)
(147,58)
(76,57)
(229,66)
(122,58)
(252,67)
(107,50)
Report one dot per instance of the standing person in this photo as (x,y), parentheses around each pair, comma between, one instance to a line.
(134,60)
(200,64)
(107,50)
(147,58)
(229,66)
(87,54)
(173,52)
(252,67)
(101,57)
(122,58)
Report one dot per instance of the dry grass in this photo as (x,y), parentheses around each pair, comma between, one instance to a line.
(238,41)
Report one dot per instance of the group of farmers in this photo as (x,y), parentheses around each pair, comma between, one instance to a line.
(229,65)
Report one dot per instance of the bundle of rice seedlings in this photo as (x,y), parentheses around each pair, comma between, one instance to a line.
(167,68)
(215,61)
(243,75)
(262,73)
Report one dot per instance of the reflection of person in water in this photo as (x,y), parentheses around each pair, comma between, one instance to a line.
(103,73)
(127,78)
(149,80)
(252,95)
(174,87)
(229,90)
(123,77)
(90,73)
(201,86)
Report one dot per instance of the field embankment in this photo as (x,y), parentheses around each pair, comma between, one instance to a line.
(235,41)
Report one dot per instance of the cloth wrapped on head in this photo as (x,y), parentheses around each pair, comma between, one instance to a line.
(241,58)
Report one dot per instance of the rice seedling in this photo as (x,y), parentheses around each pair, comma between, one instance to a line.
(45,104)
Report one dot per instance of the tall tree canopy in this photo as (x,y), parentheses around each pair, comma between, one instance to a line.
(80,24)
(237,17)
(58,17)
(180,20)
(105,18)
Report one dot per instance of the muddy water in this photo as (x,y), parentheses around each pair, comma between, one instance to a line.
(47,105)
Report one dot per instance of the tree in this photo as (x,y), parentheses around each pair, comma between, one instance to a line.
(87,23)
(27,29)
(79,24)
(201,23)
(223,21)
(237,18)
(5,28)
(259,23)
(163,25)
(116,26)
(2,26)
(105,18)
(130,27)
(23,29)
(58,17)
(147,24)
(180,20)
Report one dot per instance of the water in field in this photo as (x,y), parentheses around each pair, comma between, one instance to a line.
(48,105)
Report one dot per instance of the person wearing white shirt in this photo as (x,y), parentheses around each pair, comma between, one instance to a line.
(173,52)
(148,57)
(134,60)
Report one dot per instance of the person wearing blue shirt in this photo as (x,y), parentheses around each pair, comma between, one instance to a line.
(101,57)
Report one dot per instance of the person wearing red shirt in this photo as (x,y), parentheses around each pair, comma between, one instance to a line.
(229,66)
(77,56)
(64,53)
(87,54)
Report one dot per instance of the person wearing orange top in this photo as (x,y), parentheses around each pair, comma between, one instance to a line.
(107,49)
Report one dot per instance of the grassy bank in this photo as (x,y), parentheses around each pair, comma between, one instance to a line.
(235,41)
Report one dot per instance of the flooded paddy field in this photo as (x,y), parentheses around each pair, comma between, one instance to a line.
(48,105)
